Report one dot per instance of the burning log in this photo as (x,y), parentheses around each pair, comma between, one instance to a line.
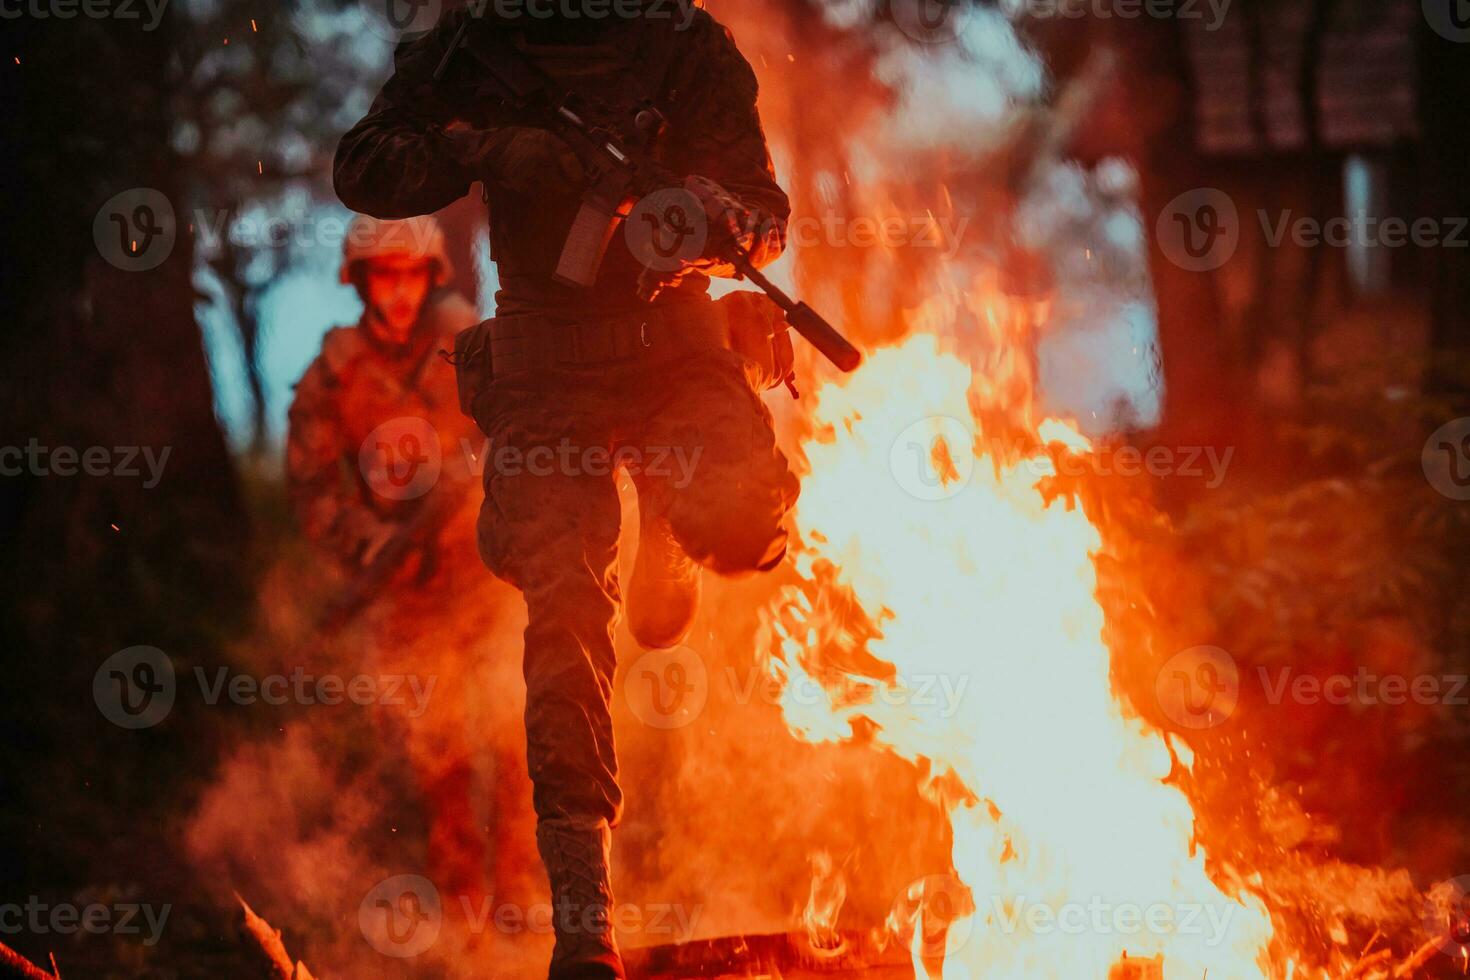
(783,954)
(1416,962)
(17,967)
(272,961)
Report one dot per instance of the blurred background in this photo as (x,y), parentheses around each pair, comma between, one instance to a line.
(1140,188)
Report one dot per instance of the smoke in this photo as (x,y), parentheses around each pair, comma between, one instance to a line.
(726,809)
(308,816)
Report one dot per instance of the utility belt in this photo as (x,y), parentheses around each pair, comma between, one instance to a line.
(503,346)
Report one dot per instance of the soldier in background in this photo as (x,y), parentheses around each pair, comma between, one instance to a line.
(376,440)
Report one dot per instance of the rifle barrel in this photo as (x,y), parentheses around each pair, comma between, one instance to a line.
(803,319)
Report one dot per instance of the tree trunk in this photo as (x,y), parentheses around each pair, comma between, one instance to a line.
(110,365)
(102,356)
(1201,382)
(1444,91)
(1324,175)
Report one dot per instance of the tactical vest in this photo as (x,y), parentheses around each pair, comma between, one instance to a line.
(615,75)
(371,387)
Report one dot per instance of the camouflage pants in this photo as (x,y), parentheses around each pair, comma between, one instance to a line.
(699,444)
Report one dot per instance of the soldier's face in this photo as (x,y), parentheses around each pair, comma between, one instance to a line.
(396,289)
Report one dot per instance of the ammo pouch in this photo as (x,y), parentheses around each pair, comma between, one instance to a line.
(472,368)
(759,332)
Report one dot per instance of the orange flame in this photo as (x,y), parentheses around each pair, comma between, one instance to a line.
(1076,854)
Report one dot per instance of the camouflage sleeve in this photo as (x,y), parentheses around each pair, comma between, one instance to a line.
(717,130)
(323,496)
(398,161)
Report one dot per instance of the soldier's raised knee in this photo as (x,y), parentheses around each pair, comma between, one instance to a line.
(733,545)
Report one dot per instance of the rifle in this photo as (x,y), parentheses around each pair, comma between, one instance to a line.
(618,176)
(368,582)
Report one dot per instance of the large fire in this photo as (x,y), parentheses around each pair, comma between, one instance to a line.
(1073,850)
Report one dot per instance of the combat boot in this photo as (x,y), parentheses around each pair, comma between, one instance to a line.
(663,595)
(576,856)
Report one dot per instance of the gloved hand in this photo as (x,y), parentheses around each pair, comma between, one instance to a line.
(759,332)
(728,223)
(520,159)
(731,224)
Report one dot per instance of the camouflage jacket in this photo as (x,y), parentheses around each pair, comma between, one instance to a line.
(398,161)
(372,434)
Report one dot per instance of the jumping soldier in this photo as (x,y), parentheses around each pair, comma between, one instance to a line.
(613,367)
